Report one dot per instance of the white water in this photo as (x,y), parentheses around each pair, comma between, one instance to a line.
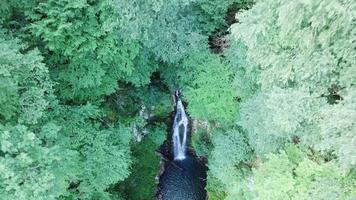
(180,127)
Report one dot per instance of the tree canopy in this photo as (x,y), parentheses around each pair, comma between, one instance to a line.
(86,85)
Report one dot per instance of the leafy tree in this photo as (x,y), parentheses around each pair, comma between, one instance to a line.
(230,152)
(86,58)
(334,130)
(168,29)
(244,77)
(298,44)
(104,150)
(277,116)
(292,63)
(25,84)
(212,15)
(207,87)
(80,78)
(145,65)
(209,92)
(172,30)
(50,150)
(4,11)
(292,175)
(141,184)
(299,72)
(30,170)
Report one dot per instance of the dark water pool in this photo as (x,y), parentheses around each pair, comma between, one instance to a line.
(183,180)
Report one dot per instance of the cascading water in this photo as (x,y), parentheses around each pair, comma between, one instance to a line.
(180,127)
(184,177)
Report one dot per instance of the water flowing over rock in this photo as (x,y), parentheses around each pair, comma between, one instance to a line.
(182,174)
(180,128)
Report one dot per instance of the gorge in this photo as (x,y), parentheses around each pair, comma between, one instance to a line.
(184,176)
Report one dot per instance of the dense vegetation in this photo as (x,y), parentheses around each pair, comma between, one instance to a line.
(85,91)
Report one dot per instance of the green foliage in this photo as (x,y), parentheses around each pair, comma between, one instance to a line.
(201,142)
(29,170)
(335,130)
(209,92)
(86,58)
(89,75)
(213,15)
(293,63)
(145,64)
(141,183)
(226,161)
(58,153)
(274,179)
(104,151)
(285,176)
(207,87)
(167,28)
(24,79)
(172,30)
(244,77)
(294,56)
(9,11)
(155,100)
(299,44)
(4,10)
(277,116)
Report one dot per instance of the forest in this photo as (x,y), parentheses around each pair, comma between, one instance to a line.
(86,96)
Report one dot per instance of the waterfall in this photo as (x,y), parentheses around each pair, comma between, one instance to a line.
(180,128)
